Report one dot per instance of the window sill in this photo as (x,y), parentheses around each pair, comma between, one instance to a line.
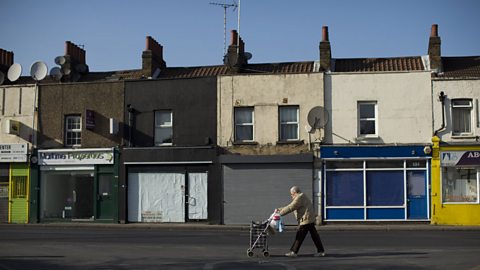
(245,143)
(164,145)
(464,137)
(459,203)
(368,137)
(291,142)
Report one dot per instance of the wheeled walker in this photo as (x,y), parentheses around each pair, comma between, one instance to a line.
(258,237)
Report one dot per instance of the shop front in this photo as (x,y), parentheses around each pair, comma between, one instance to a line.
(254,185)
(455,184)
(78,185)
(14,183)
(375,183)
(165,185)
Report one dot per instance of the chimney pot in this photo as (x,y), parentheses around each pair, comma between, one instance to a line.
(234,37)
(325,33)
(434,32)
(10,59)
(325,51)
(67,47)
(147,43)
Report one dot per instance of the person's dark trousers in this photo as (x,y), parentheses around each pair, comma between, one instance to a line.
(302,233)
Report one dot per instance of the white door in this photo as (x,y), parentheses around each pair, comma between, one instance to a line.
(156,197)
(197,195)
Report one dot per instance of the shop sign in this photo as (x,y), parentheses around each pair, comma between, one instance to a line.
(75,157)
(460,158)
(13,152)
(89,119)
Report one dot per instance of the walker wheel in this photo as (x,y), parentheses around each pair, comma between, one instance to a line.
(249,253)
(266,254)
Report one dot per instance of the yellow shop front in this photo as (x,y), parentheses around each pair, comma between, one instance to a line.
(455,184)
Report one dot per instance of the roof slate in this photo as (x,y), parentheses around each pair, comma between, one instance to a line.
(461,67)
(414,63)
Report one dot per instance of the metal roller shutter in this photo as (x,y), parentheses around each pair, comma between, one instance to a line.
(253,191)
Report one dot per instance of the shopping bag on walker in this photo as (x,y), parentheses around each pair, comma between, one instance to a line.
(276,221)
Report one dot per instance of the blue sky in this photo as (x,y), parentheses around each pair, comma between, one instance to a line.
(191,31)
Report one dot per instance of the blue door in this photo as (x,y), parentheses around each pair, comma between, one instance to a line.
(417,204)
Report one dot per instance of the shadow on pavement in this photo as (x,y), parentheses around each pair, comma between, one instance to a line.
(32,262)
(353,255)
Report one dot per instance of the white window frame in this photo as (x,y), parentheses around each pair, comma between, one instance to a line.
(281,123)
(167,125)
(73,130)
(365,169)
(453,107)
(359,119)
(252,124)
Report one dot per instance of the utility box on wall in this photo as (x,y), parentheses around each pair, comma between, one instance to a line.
(12,127)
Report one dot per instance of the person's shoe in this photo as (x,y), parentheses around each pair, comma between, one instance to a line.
(319,254)
(291,254)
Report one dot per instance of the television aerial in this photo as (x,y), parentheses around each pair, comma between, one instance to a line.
(225,6)
(14,72)
(38,71)
(317,118)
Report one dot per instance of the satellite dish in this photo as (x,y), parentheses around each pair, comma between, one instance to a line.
(60,60)
(317,117)
(2,78)
(38,71)
(75,76)
(82,68)
(56,73)
(66,71)
(156,73)
(248,55)
(14,72)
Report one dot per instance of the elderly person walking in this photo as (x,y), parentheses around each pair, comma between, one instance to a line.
(302,207)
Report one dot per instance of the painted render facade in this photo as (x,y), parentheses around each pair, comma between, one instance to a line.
(403,101)
(266,93)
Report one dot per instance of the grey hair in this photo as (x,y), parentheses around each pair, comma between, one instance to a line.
(295,189)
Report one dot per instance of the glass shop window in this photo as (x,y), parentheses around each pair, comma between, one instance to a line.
(459,185)
(66,195)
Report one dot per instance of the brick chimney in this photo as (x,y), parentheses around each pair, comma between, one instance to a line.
(434,51)
(6,60)
(75,59)
(152,57)
(235,58)
(325,51)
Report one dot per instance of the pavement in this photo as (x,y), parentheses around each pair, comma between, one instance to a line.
(204,226)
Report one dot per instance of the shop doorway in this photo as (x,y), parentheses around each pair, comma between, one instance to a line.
(417,195)
(4,179)
(167,196)
(105,196)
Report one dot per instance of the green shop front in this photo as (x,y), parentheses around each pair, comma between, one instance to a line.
(78,185)
(14,183)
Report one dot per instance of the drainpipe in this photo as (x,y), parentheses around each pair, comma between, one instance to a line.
(130,110)
(441,97)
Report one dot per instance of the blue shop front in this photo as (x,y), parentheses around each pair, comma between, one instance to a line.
(375,183)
